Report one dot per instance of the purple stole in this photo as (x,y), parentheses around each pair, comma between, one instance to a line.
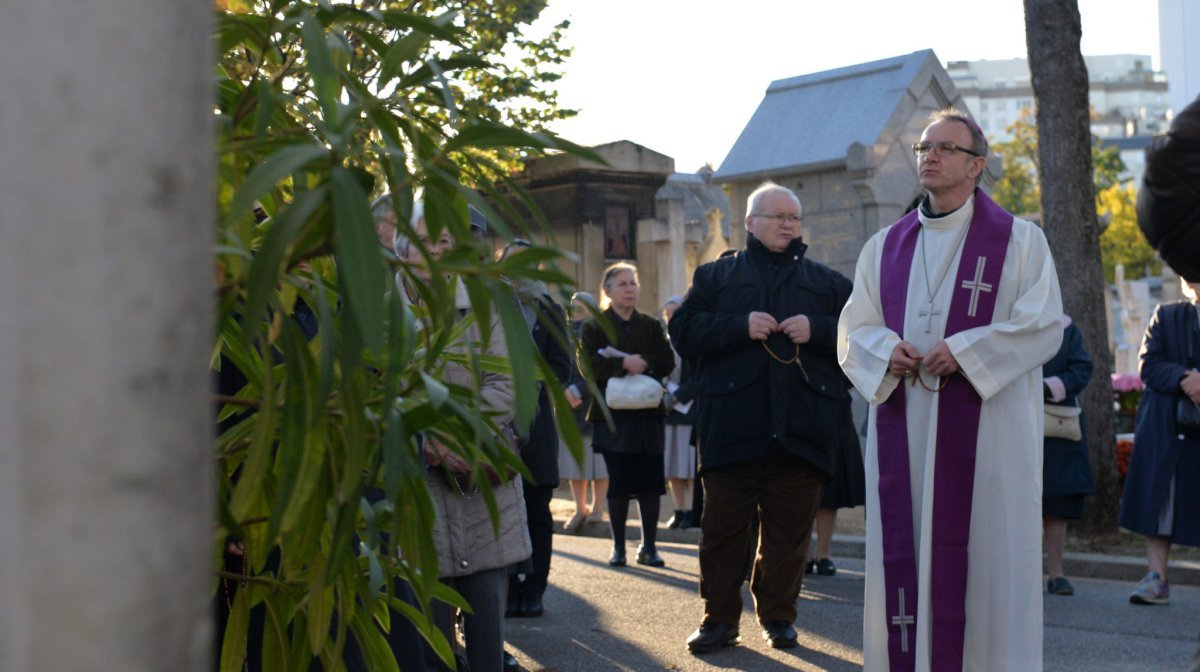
(972,304)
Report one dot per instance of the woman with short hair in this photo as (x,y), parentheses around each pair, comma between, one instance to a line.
(633,447)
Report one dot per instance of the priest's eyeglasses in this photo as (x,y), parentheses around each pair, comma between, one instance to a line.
(943,148)
(778,217)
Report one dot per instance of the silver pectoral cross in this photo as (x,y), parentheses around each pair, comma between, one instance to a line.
(928,314)
(903,620)
(976,286)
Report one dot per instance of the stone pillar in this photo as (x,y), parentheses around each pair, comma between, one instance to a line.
(106,416)
(673,272)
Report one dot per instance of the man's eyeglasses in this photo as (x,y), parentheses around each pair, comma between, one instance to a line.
(779,217)
(941,148)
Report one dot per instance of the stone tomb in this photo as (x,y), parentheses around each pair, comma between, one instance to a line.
(635,208)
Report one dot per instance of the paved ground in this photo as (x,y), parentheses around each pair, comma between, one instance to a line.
(849,542)
(637,618)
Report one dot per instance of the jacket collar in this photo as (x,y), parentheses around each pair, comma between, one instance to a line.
(761,255)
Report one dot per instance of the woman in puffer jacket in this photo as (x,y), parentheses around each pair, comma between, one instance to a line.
(472,558)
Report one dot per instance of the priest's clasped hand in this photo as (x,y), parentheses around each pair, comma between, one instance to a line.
(797,327)
(905,359)
(938,361)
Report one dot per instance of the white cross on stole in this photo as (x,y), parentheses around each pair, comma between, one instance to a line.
(903,620)
(976,286)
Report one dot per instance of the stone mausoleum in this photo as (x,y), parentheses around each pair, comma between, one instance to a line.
(633,207)
(841,140)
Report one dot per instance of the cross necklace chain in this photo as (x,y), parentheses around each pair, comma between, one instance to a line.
(930,291)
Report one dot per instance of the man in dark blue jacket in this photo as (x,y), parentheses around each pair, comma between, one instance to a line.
(761,325)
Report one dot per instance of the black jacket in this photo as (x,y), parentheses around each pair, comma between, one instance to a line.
(581,387)
(646,338)
(638,432)
(539,446)
(749,403)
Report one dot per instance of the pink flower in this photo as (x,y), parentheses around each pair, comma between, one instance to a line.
(1126,382)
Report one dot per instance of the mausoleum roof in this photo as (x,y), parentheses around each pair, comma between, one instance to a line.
(621,155)
(811,120)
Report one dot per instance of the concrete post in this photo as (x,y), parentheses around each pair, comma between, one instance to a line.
(106,424)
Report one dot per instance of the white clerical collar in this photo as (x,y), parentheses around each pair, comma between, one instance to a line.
(953,220)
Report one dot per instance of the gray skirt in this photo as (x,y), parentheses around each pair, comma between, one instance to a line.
(679,456)
(593,467)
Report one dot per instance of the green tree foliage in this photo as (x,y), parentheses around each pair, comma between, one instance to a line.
(517,89)
(1122,241)
(1017,189)
(319,106)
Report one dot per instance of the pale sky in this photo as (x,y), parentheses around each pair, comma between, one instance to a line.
(682,77)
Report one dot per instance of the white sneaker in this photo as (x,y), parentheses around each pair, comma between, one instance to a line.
(1153,589)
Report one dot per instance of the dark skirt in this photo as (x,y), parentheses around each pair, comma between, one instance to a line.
(632,475)
(1062,506)
(847,486)
(633,452)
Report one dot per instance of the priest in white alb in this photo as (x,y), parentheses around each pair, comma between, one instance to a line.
(955,308)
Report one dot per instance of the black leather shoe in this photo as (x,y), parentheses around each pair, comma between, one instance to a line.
(510,663)
(810,567)
(650,558)
(618,558)
(712,637)
(825,567)
(674,522)
(531,605)
(780,634)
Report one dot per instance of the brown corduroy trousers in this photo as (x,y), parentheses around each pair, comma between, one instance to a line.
(784,491)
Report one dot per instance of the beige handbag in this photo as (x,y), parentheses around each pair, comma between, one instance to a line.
(1062,422)
(632,392)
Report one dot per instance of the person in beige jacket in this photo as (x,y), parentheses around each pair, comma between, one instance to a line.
(472,558)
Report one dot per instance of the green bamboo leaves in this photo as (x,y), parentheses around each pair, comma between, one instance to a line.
(330,373)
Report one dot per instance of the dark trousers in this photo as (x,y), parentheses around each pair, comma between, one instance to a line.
(406,643)
(541,535)
(785,492)
(483,629)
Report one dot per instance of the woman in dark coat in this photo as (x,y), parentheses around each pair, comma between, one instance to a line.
(633,447)
(539,442)
(1066,472)
(679,452)
(845,489)
(1162,489)
(592,468)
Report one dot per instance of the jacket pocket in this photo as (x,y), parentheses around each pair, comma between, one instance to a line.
(737,298)
(732,408)
(812,417)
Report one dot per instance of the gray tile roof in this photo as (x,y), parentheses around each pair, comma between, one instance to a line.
(812,119)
